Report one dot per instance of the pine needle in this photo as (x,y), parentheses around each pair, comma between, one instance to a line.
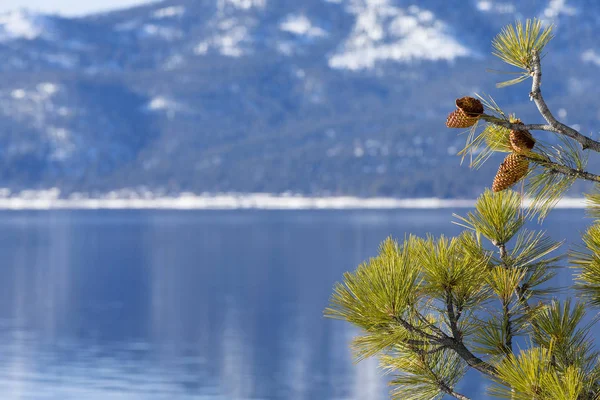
(497,216)
(515,44)
(546,186)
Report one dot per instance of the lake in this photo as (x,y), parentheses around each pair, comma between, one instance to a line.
(212,305)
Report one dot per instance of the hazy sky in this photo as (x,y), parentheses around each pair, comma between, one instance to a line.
(68,7)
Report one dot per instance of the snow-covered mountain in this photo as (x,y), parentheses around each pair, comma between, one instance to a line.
(313,96)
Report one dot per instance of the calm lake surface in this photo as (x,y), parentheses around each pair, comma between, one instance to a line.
(155,305)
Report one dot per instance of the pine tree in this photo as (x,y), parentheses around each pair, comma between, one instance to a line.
(433,308)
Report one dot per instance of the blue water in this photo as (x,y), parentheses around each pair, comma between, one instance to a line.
(193,304)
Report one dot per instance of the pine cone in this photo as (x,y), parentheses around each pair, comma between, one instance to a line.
(470,106)
(521,141)
(513,169)
(458,119)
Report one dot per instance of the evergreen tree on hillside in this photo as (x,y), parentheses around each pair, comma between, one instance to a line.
(433,308)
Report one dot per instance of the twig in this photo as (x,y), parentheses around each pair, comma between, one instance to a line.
(559,127)
(456,343)
(517,127)
(411,328)
(503,253)
(452,343)
(448,390)
(431,326)
(444,387)
(521,292)
(564,169)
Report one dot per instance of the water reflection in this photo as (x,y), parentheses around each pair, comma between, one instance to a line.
(180,305)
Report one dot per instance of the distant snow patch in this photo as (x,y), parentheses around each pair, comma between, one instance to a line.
(230,28)
(127,25)
(285,48)
(484,5)
(167,105)
(23,25)
(240,4)
(161,103)
(48,88)
(163,32)
(173,62)
(43,91)
(35,106)
(495,7)
(169,12)
(18,94)
(301,25)
(228,43)
(562,113)
(62,146)
(591,56)
(202,48)
(383,32)
(63,60)
(557,7)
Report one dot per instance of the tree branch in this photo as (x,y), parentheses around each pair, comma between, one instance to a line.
(564,169)
(452,316)
(517,127)
(448,390)
(503,252)
(452,343)
(444,387)
(413,329)
(439,381)
(559,127)
(456,343)
(506,322)
(471,359)
(507,326)
(431,326)
(553,125)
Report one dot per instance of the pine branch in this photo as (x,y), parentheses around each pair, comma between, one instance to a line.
(413,329)
(559,127)
(471,359)
(431,326)
(502,250)
(521,297)
(506,315)
(456,343)
(507,326)
(449,391)
(453,343)
(517,127)
(444,387)
(553,125)
(452,316)
(564,169)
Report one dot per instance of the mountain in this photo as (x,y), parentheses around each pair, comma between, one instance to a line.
(318,97)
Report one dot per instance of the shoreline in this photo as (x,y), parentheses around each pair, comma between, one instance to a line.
(51,200)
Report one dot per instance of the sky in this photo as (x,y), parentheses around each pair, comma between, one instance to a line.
(68,7)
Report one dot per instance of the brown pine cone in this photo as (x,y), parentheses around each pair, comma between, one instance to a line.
(470,106)
(521,141)
(513,169)
(458,119)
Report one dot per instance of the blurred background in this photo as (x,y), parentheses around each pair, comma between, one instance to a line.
(128,100)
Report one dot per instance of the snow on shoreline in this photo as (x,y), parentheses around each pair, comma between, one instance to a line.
(51,199)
